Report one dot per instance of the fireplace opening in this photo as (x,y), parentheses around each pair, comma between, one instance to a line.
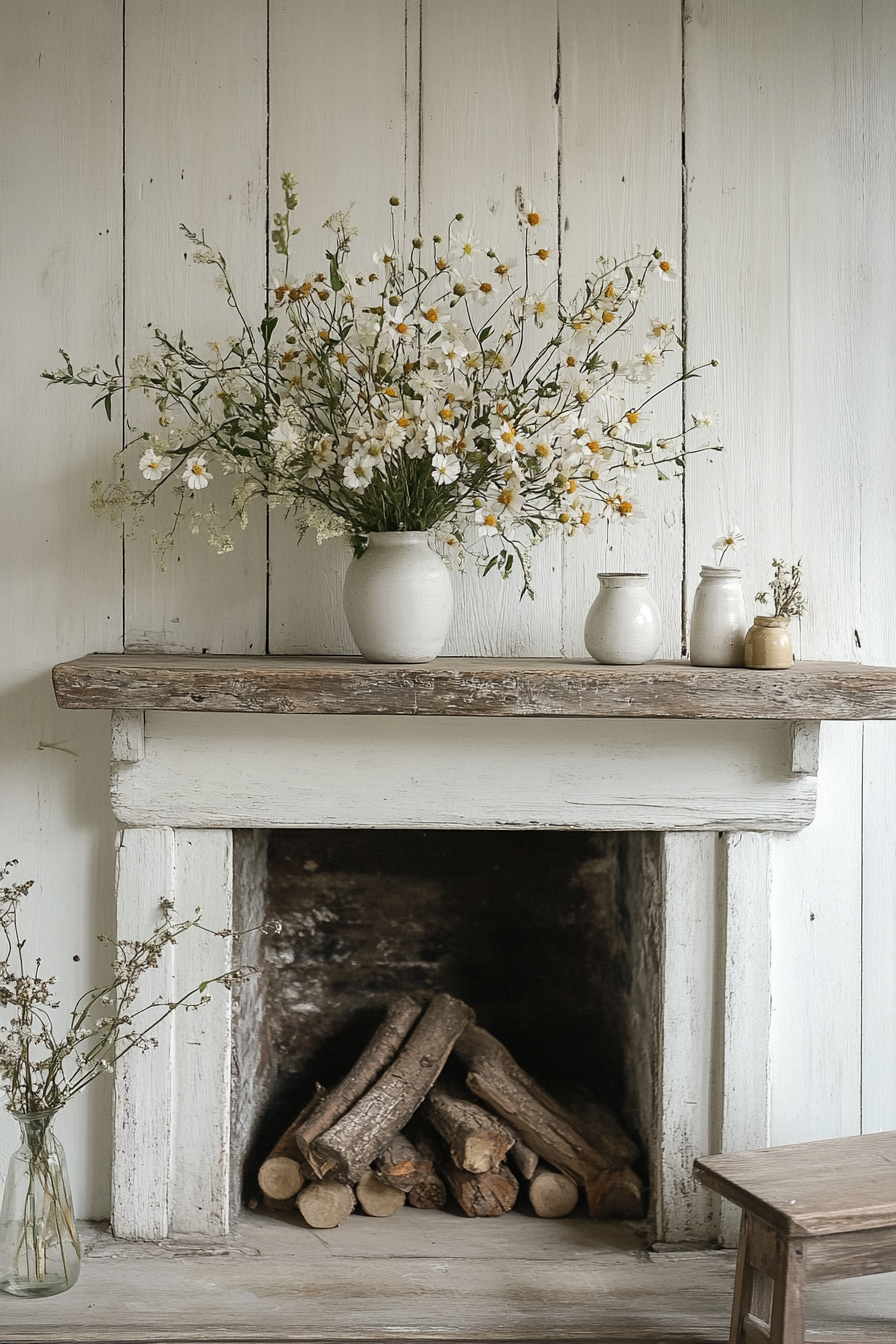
(551,937)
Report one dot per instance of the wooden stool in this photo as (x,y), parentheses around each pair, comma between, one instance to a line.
(811,1211)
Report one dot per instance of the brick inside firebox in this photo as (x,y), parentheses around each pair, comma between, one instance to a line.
(531,928)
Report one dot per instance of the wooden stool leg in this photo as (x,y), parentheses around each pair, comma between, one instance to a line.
(743,1284)
(788,1321)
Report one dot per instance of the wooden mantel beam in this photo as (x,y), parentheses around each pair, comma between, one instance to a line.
(493,687)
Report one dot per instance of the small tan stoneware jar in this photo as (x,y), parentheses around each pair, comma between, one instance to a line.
(768,643)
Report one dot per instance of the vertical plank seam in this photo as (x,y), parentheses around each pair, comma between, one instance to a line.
(267,299)
(684,330)
(564,558)
(124,229)
(420,119)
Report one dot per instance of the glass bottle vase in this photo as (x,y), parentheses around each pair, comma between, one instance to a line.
(40,1253)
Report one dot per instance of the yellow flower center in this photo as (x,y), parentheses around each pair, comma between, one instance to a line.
(533,218)
(607,316)
(632,417)
(609,292)
(542,450)
(403,421)
(490,520)
(586,518)
(543,253)
(432,314)
(486,287)
(665,266)
(446,413)
(401,327)
(505,497)
(625,506)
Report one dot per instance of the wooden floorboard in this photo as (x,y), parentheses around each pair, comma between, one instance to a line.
(418,1276)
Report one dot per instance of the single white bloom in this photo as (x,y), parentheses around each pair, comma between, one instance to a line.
(645,365)
(154,465)
(503,269)
(706,420)
(731,541)
(622,507)
(445,468)
(481,290)
(666,267)
(542,255)
(358,473)
(487,521)
(386,256)
(465,249)
(541,309)
(285,436)
(195,476)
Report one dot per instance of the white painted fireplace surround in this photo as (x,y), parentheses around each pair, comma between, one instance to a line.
(715,790)
(705,764)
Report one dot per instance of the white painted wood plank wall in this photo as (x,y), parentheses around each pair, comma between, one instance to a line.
(116,113)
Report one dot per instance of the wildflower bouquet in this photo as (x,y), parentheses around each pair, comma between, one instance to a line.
(44,1063)
(447,388)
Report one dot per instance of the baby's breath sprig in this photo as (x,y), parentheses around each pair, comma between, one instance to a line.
(786,588)
(446,388)
(44,1061)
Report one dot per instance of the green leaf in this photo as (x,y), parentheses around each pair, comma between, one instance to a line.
(267,326)
(336,282)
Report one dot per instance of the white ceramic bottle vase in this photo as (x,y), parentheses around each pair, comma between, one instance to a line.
(718,619)
(623,625)
(398,599)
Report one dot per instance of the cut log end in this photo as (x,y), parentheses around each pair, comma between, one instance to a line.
(486,1194)
(325,1203)
(429,1194)
(551,1194)
(280,1178)
(616,1194)
(376,1198)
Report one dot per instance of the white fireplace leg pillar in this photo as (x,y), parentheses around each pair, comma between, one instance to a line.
(171,1161)
(713,1092)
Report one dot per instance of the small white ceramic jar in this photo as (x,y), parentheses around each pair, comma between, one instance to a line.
(623,625)
(718,619)
(398,599)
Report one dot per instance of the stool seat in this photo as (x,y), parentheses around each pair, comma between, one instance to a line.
(811,1212)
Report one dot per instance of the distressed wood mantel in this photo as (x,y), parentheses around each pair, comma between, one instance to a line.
(492,687)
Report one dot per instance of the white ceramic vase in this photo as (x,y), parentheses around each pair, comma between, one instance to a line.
(398,599)
(623,625)
(718,619)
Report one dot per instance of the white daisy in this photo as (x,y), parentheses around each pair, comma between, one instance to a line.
(154,465)
(445,468)
(195,476)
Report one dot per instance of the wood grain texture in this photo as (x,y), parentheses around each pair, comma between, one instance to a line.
(199,1200)
(238,770)
(473,686)
(688,1101)
(489,125)
(777,145)
(812,1189)
(195,154)
(346,151)
(874,618)
(620,138)
(144,1080)
(816,975)
(746,1081)
(60,267)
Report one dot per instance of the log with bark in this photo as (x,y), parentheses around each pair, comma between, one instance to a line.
(523,1158)
(618,1194)
(551,1193)
(349,1147)
(600,1127)
(403,1166)
(542,1123)
(325,1203)
(376,1198)
(477,1140)
(326,1107)
(485,1194)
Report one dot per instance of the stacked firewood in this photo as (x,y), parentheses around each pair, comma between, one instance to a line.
(403,1127)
